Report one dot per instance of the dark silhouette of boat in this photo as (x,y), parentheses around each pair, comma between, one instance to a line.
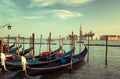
(64,63)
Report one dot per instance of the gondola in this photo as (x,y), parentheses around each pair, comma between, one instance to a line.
(5,47)
(16,64)
(10,47)
(13,55)
(44,55)
(14,50)
(54,66)
(26,51)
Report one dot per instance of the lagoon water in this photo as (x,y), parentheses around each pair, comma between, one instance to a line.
(94,69)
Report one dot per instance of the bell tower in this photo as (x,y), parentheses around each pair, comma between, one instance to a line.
(81,31)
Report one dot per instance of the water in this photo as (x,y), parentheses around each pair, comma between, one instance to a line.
(94,69)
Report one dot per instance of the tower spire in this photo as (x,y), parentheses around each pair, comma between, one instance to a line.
(81,32)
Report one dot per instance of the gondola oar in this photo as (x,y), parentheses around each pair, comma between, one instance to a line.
(24,65)
(3,61)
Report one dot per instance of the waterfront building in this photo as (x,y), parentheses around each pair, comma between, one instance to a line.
(82,36)
(110,37)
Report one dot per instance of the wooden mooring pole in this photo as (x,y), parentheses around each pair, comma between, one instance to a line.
(88,48)
(19,45)
(40,45)
(32,44)
(8,42)
(106,51)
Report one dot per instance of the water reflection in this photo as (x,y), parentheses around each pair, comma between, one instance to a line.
(64,74)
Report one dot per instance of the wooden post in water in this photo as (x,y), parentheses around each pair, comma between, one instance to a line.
(2,45)
(18,45)
(62,39)
(23,46)
(15,42)
(8,41)
(106,51)
(73,41)
(40,44)
(72,44)
(49,43)
(88,48)
(80,35)
(33,44)
(59,41)
(49,47)
(30,53)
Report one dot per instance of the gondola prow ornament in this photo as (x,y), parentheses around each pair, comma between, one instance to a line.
(24,65)
(3,61)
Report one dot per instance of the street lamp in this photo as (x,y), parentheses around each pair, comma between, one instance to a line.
(8,26)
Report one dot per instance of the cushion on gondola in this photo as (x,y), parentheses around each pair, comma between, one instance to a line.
(60,54)
(45,53)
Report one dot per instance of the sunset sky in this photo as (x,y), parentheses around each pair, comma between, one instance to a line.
(60,17)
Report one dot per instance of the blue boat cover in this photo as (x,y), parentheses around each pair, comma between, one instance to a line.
(74,59)
(63,61)
(33,61)
(28,62)
(13,52)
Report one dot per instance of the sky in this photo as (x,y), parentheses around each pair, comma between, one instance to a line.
(60,17)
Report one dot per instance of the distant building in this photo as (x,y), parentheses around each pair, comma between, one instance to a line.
(110,37)
(86,35)
(82,36)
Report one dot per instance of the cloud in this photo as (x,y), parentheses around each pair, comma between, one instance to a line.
(32,17)
(8,9)
(23,18)
(65,14)
(74,2)
(11,12)
(7,6)
(44,3)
